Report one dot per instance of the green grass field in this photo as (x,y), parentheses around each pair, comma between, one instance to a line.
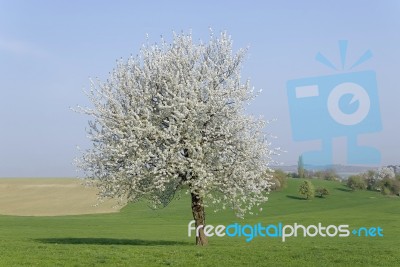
(139,236)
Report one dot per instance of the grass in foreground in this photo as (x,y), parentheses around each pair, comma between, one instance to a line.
(139,236)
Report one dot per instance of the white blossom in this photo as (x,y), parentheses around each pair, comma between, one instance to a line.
(173,118)
(385,172)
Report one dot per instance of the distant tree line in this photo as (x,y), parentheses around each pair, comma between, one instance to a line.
(329,174)
(302,172)
(384,180)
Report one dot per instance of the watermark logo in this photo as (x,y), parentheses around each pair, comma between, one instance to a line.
(343,104)
(282,231)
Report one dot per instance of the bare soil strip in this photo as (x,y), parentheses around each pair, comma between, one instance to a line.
(50,197)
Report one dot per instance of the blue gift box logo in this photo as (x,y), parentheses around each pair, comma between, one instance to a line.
(326,107)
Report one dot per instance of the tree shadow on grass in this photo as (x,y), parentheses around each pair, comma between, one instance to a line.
(109,241)
(295,197)
(344,189)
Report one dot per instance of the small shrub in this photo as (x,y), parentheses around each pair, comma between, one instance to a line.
(356,182)
(307,189)
(279,180)
(389,186)
(370,178)
(321,192)
(329,175)
(385,191)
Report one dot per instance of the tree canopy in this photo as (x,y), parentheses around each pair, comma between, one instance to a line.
(174,117)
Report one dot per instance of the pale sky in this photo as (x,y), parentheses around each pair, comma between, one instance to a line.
(49,49)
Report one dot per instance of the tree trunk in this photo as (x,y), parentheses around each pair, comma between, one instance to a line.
(199,217)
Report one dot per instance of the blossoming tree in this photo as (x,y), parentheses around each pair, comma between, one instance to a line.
(172,119)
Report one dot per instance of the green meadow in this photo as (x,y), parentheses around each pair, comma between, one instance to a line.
(140,236)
